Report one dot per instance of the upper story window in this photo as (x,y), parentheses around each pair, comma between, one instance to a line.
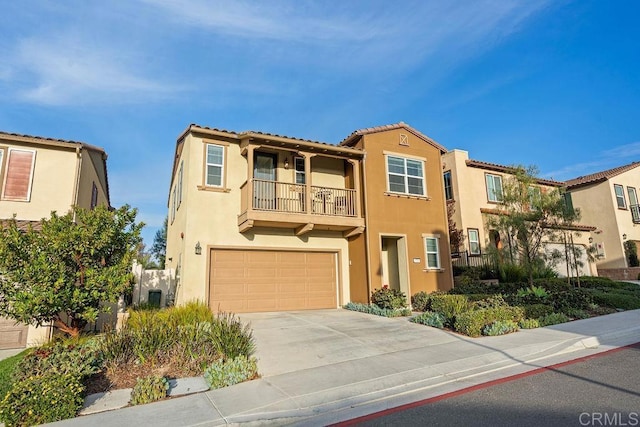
(405,176)
(448,188)
(215,165)
(18,174)
(94,195)
(173,203)
(494,188)
(180,174)
(432,252)
(568,202)
(535,195)
(300,173)
(620,199)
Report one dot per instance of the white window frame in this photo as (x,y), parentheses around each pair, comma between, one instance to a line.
(207,164)
(33,164)
(299,173)
(475,231)
(620,197)
(491,193)
(180,174)
(406,176)
(427,252)
(173,204)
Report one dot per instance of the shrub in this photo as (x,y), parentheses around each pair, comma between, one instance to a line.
(577,314)
(429,318)
(553,319)
(536,311)
(374,309)
(472,322)
(449,306)
(529,324)
(553,284)
(500,327)
(491,301)
(573,299)
(7,369)
(511,273)
(233,371)
(149,389)
(42,399)
(616,300)
(531,295)
(420,301)
(388,298)
(232,337)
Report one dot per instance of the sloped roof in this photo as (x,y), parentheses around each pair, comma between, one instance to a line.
(600,176)
(355,135)
(508,169)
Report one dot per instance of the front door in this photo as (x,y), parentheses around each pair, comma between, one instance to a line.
(264,181)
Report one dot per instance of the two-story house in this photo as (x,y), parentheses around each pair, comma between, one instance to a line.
(261,222)
(475,189)
(609,200)
(405,244)
(39,175)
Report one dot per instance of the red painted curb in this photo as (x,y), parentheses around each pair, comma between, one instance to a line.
(400,408)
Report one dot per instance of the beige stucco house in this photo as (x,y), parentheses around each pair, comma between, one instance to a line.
(609,200)
(475,190)
(261,222)
(39,175)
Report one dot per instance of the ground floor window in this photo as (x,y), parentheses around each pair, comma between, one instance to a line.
(432,252)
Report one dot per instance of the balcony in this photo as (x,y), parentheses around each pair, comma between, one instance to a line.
(301,207)
(635,213)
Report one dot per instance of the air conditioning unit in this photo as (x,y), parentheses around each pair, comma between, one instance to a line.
(600,253)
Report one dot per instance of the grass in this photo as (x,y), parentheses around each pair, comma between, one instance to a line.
(7,366)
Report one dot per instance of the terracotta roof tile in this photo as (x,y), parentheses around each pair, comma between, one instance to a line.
(507,169)
(352,138)
(600,176)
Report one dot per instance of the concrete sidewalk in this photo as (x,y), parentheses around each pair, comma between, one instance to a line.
(332,365)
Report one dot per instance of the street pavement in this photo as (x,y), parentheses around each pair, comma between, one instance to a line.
(327,366)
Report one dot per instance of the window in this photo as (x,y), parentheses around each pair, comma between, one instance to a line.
(94,195)
(474,241)
(215,165)
(299,167)
(448,189)
(622,202)
(494,188)
(432,252)
(180,173)
(19,175)
(173,204)
(405,176)
(568,202)
(535,196)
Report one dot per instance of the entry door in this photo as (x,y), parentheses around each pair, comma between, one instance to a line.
(264,174)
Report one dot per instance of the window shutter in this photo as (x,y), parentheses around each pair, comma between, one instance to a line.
(17,185)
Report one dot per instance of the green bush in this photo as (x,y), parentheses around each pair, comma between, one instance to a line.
(149,389)
(487,288)
(577,314)
(420,301)
(553,284)
(390,299)
(7,369)
(574,299)
(536,311)
(529,324)
(233,371)
(472,322)
(42,399)
(553,319)
(232,337)
(491,301)
(594,282)
(374,309)
(500,327)
(429,318)
(449,306)
(511,273)
(615,299)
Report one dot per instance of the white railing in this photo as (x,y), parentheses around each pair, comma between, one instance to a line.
(635,213)
(287,197)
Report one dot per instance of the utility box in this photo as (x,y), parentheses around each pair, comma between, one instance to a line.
(155,296)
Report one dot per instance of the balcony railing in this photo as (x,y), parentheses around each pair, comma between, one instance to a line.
(292,198)
(635,213)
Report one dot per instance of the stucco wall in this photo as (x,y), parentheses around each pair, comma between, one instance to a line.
(92,171)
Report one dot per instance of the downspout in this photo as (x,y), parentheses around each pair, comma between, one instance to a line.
(366,227)
(77,183)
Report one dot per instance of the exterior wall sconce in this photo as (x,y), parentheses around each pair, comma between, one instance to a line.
(624,236)
(198,249)
(286,163)
(590,239)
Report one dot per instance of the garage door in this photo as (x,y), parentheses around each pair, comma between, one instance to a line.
(263,280)
(12,335)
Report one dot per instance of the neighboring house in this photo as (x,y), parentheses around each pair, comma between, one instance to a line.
(475,190)
(39,175)
(261,222)
(609,200)
(405,244)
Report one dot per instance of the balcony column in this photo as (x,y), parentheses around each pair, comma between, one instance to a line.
(307,181)
(250,188)
(355,165)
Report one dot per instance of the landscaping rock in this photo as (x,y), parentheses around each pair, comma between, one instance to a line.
(190,385)
(107,401)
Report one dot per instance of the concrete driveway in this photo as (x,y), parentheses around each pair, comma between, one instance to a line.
(299,340)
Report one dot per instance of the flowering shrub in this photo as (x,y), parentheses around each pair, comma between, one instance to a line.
(389,298)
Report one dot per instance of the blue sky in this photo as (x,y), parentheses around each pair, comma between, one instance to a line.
(550,83)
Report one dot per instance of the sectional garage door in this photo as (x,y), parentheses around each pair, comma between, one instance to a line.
(264,280)
(12,335)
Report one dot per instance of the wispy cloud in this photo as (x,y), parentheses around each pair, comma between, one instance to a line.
(607,159)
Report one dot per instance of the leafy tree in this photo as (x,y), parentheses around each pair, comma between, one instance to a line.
(159,248)
(144,257)
(456,236)
(531,216)
(631,251)
(66,271)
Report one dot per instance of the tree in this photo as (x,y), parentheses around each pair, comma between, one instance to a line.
(159,248)
(456,236)
(531,216)
(65,272)
(144,257)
